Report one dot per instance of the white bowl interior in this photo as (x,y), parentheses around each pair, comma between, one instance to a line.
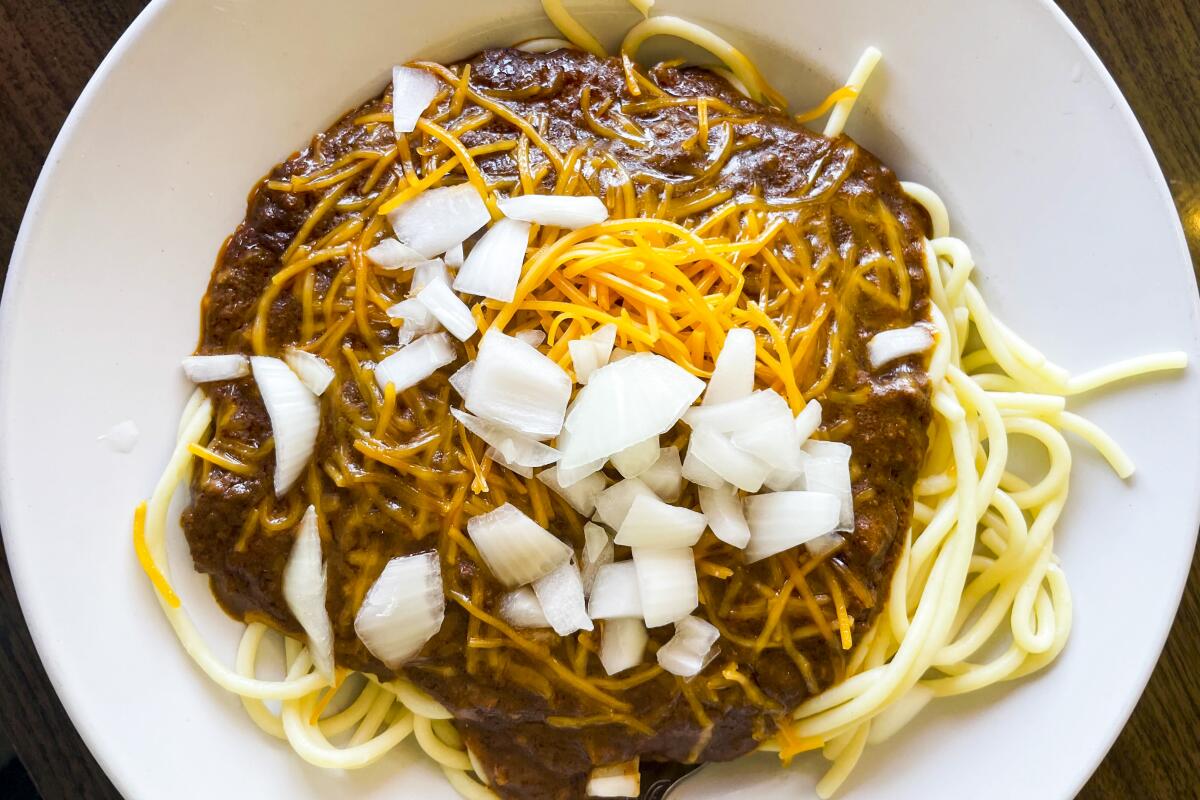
(1041,163)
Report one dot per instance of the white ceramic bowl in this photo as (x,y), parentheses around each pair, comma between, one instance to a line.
(1000,106)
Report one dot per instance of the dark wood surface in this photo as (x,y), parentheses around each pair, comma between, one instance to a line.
(49,49)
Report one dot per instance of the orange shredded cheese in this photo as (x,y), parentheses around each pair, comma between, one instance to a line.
(147,561)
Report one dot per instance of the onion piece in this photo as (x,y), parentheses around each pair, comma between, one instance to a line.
(580,495)
(590,353)
(696,471)
(690,649)
(598,550)
(832,475)
(665,476)
(515,385)
(619,353)
(733,465)
(887,346)
(393,254)
(514,447)
(121,437)
(614,502)
(725,514)
(561,594)
(782,480)
(515,548)
(782,520)
(438,219)
(403,609)
(521,609)
(426,273)
(416,318)
(412,92)
(653,523)
(622,644)
(533,338)
(733,375)
(736,415)
(823,545)
(304,587)
(617,780)
(627,402)
(461,379)
(666,584)
(454,256)
(498,457)
(819,448)
(773,440)
(449,310)
(636,459)
(808,420)
(295,418)
(312,370)
(415,362)
(570,477)
(493,267)
(615,593)
(226,367)
(555,210)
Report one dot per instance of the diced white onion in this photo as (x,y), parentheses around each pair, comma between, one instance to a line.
(417,320)
(392,254)
(295,418)
(627,402)
(808,420)
(304,586)
(590,353)
(832,475)
(782,480)
(415,362)
(438,219)
(773,440)
(516,449)
(493,267)
(614,502)
(622,645)
(570,477)
(312,370)
(782,520)
(204,369)
(449,310)
(725,514)
(515,548)
(823,545)
(619,353)
(666,584)
(653,523)
(403,609)
(533,338)
(461,379)
(618,780)
(690,649)
(615,592)
(553,210)
(580,495)
(733,465)
(561,594)
(521,609)
(428,272)
(598,550)
(733,375)
(636,459)
(123,436)
(516,385)
(412,92)
(819,448)
(887,346)
(454,256)
(696,471)
(665,475)
(736,415)
(498,457)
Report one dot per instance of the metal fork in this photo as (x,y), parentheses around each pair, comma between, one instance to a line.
(660,777)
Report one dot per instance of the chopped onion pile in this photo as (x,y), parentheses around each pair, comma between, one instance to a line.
(394,254)
(403,609)
(295,418)
(666,584)
(887,346)
(438,219)
(733,375)
(690,649)
(636,459)
(204,369)
(615,592)
(622,644)
(624,403)
(412,92)
(652,523)
(617,780)
(493,267)
(304,587)
(449,310)
(561,594)
(521,609)
(515,385)
(590,353)
(614,502)
(558,211)
(515,548)
(312,370)
(580,495)
(516,449)
(723,509)
(782,520)
(665,475)
(415,362)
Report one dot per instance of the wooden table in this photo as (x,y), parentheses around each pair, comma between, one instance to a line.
(48,50)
